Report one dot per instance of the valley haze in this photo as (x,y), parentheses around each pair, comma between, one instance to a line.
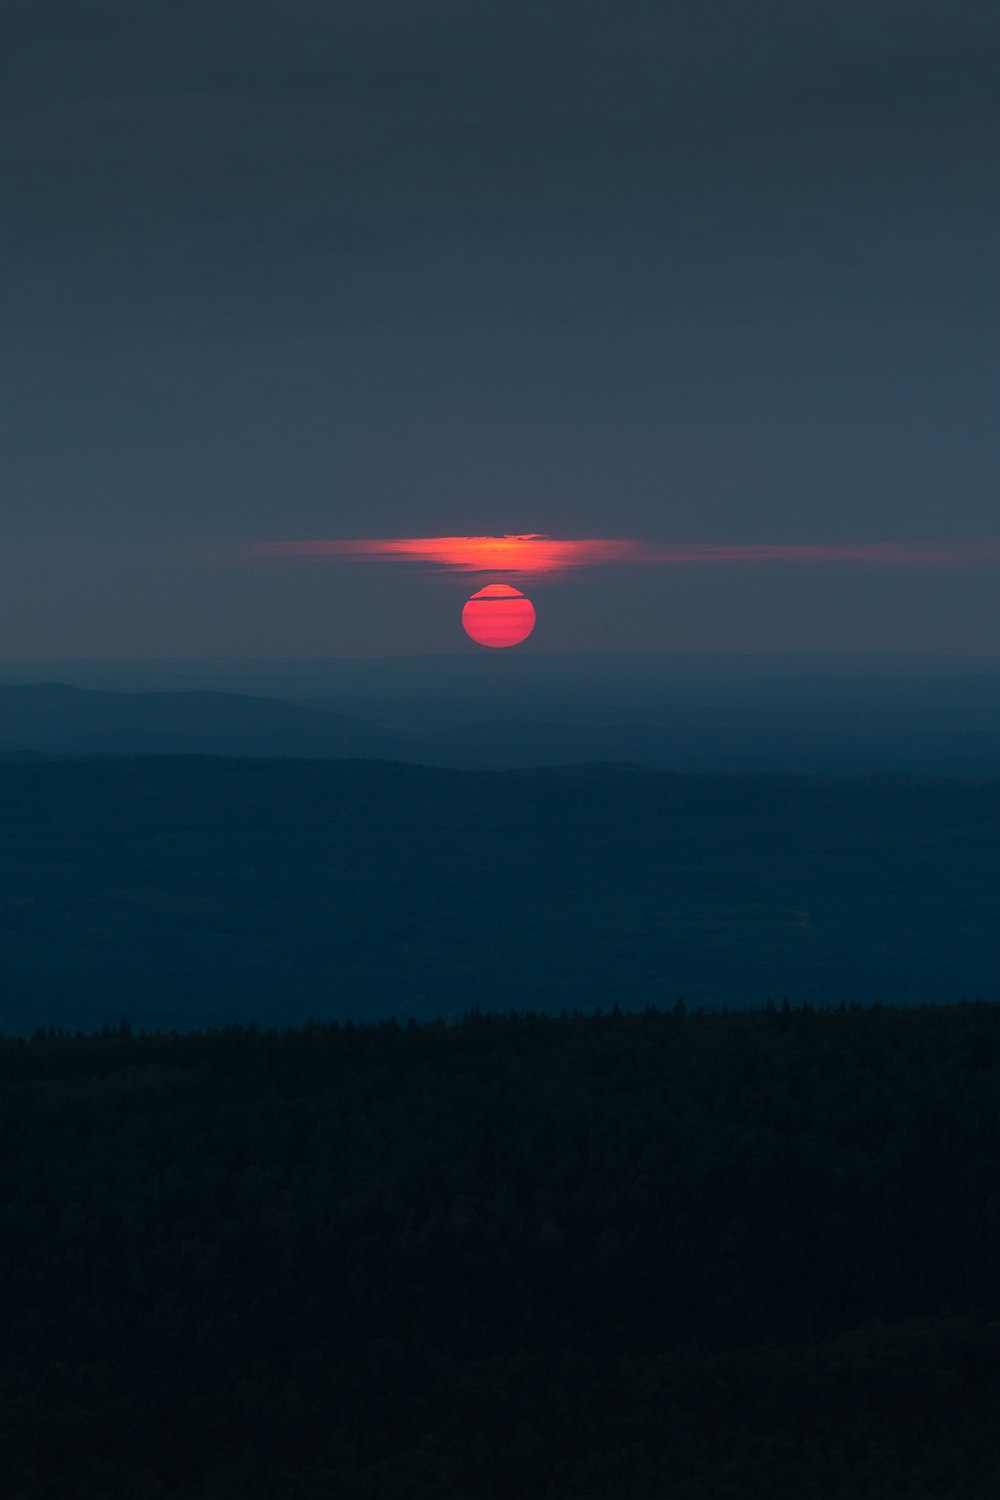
(194,843)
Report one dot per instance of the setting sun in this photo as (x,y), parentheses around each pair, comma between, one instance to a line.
(498,615)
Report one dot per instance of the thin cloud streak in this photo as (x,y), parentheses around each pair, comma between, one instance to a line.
(530,553)
(534,554)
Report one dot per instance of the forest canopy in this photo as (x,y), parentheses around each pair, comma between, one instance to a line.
(645,1255)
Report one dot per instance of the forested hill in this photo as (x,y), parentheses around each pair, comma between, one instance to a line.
(626,1256)
(186,891)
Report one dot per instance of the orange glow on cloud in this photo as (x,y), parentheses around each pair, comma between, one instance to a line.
(536,554)
(532,553)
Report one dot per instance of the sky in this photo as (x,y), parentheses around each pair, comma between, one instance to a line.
(685,276)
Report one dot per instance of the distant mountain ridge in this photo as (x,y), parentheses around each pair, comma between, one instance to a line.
(55,719)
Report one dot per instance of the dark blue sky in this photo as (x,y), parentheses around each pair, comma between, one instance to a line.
(695,272)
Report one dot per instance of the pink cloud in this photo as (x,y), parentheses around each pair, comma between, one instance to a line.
(531,553)
(535,554)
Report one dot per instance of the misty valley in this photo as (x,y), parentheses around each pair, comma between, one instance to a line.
(191,891)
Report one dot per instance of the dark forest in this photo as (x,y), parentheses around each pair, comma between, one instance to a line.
(659,1254)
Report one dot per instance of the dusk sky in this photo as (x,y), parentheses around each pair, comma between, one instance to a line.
(686,276)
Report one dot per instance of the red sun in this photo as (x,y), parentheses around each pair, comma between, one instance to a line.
(499,616)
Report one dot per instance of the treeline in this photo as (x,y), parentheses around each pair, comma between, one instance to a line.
(622,1256)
